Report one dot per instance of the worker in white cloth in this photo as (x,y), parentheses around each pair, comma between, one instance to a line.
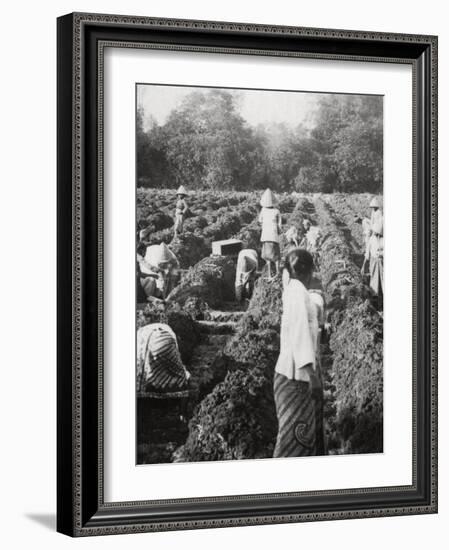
(374,252)
(159,364)
(296,377)
(247,263)
(271,221)
(181,210)
(292,237)
(146,277)
(160,262)
(312,237)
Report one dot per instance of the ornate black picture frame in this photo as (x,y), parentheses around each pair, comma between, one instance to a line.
(81,510)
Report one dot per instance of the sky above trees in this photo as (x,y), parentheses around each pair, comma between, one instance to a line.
(255,106)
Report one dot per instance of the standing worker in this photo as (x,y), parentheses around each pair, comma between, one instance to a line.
(296,377)
(374,253)
(247,263)
(270,219)
(181,210)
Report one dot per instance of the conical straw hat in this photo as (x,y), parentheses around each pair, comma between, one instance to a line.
(163,254)
(374,203)
(181,190)
(267,199)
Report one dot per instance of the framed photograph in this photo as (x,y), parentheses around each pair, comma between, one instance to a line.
(247,274)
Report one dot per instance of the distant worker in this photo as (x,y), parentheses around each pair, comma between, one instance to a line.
(292,237)
(270,219)
(374,252)
(247,263)
(311,239)
(159,364)
(181,210)
(377,219)
(144,230)
(160,260)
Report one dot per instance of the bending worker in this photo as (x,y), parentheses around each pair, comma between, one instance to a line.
(159,260)
(247,263)
(159,364)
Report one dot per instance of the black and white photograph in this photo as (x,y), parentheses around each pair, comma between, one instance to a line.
(259,273)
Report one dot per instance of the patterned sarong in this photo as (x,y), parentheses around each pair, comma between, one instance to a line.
(296,416)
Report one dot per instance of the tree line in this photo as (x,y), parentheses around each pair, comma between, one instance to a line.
(205,143)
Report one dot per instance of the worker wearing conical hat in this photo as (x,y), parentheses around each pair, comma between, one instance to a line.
(181,210)
(160,260)
(270,219)
(377,222)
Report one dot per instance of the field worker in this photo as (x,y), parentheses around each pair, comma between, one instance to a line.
(144,231)
(366,230)
(270,219)
(292,237)
(247,263)
(146,277)
(377,221)
(161,260)
(374,256)
(296,373)
(181,210)
(375,250)
(159,364)
(313,237)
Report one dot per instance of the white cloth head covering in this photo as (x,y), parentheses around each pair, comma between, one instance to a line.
(374,203)
(181,190)
(157,253)
(163,254)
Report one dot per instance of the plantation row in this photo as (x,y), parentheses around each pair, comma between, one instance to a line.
(346,209)
(356,343)
(201,229)
(156,206)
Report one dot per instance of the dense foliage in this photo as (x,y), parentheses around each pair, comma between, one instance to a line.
(206,144)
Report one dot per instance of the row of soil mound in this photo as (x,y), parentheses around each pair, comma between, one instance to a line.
(356,344)
(237,419)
